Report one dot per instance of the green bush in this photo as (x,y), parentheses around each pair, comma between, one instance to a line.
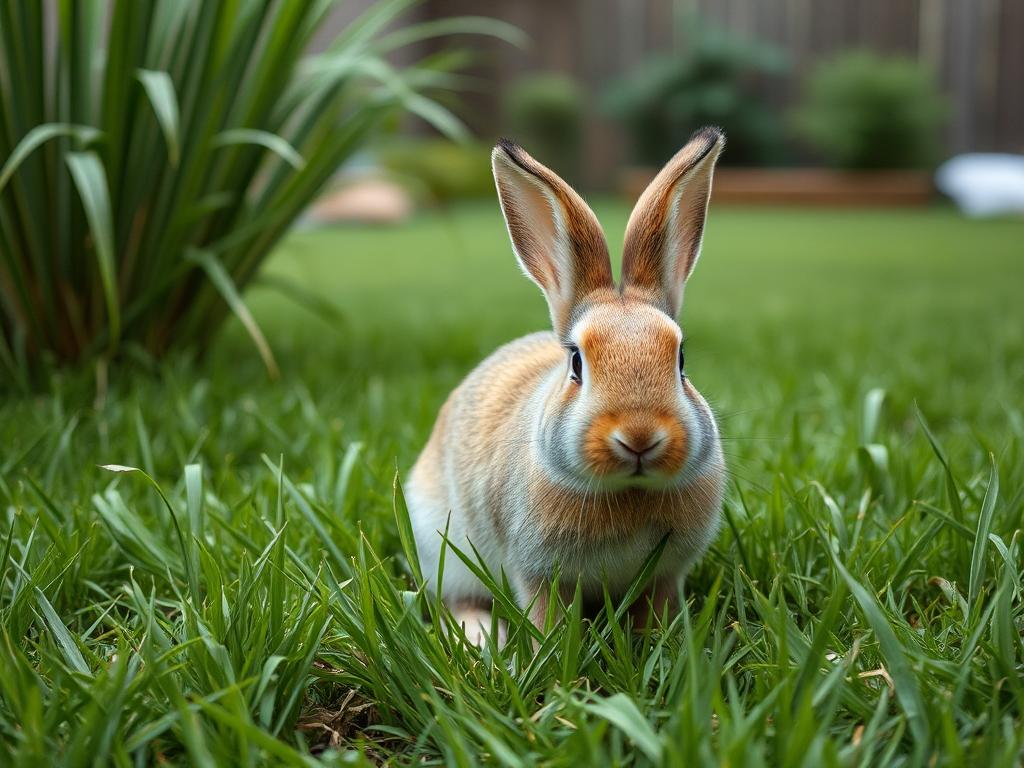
(544,113)
(442,169)
(145,184)
(862,110)
(709,83)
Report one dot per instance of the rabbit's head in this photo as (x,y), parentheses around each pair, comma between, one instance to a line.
(621,412)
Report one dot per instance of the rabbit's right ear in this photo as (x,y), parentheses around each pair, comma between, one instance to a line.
(554,233)
(664,232)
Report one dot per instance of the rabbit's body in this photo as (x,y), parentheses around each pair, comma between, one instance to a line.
(576,452)
(504,501)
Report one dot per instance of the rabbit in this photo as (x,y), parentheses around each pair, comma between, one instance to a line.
(576,451)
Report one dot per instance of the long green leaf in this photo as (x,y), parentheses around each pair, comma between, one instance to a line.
(432,112)
(159,90)
(39,136)
(302,296)
(265,139)
(226,287)
(454,25)
(91,181)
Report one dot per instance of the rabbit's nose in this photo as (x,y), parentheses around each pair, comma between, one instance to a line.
(637,443)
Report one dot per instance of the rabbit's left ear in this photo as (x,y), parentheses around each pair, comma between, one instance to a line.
(664,232)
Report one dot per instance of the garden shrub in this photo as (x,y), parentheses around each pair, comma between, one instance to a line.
(709,82)
(863,111)
(544,113)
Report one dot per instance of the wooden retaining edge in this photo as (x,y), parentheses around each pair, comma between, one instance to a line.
(805,186)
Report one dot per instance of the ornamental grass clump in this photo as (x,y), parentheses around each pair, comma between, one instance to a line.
(152,152)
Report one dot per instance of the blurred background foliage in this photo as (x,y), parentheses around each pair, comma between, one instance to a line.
(858,109)
(545,113)
(711,81)
(441,170)
(647,72)
(862,110)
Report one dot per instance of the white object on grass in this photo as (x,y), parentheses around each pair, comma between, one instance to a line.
(984,184)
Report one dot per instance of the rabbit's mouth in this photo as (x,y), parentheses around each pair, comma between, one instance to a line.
(644,479)
(641,473)
(640,470)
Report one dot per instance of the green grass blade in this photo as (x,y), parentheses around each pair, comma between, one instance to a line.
(405,532)
(622,712)
(186,548)
(905,680)
(194,499)
(981,536)
(951,484)
(65,641)
(871,413)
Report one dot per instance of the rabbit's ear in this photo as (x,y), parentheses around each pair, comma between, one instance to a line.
(664,231)
(554,233)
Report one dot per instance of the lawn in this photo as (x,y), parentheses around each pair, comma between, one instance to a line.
(249,599)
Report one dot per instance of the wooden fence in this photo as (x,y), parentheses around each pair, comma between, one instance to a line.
(974,47)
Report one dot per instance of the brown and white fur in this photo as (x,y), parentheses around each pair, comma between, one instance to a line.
(543,471)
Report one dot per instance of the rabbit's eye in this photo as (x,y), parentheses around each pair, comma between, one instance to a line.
(575,365)
(682,362)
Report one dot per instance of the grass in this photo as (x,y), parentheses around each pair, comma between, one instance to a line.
(248,599)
